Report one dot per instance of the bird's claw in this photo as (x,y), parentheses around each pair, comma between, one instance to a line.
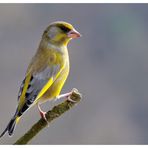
(69,99)
(43,116)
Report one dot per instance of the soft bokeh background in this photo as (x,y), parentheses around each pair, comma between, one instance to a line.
(109,65)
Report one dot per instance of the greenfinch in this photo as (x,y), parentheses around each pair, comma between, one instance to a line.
(47,71)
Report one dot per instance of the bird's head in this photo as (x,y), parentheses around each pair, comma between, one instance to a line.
(60,33)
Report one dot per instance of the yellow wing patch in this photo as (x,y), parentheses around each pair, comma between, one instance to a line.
(22,97)
(47,85)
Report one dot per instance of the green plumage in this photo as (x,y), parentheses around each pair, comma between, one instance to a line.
(46,73)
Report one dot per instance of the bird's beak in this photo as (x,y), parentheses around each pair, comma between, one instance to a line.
(74,34)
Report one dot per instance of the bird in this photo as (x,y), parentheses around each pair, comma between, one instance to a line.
(46,73)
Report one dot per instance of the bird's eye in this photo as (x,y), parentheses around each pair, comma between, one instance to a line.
(65,29)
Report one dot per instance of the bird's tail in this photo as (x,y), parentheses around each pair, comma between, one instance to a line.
(11,125)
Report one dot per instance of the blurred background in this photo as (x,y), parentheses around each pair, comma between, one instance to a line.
(109,66)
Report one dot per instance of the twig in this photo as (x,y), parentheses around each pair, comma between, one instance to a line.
(51,115)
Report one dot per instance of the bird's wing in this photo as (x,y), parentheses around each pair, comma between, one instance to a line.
(35,85)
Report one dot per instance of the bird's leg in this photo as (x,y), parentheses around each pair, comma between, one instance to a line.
(66,95)
(69,99)
(42,113)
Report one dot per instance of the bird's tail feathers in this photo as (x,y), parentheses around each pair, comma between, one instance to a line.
(11,126)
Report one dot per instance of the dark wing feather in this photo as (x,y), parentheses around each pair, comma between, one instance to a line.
(37,82)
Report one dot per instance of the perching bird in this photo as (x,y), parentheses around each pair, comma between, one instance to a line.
(47,71)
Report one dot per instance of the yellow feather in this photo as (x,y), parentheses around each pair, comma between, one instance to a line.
(22,97)
(47,86)
(17,120)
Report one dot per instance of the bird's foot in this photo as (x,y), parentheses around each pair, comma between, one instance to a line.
(71,100)
(43,116)
(67,95)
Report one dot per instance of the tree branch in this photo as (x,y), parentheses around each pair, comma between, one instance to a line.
(51,115)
